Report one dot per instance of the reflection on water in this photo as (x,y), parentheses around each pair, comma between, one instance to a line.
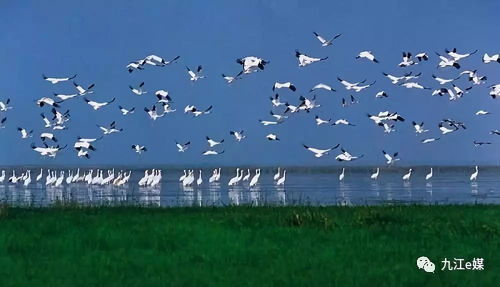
(314,188)
(474,187)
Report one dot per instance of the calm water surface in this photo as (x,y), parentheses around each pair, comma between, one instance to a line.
(304,187)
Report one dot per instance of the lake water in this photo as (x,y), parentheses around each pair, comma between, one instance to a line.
(302,187)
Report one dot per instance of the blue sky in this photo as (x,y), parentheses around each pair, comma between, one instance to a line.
(97,39)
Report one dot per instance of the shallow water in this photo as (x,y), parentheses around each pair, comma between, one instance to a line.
(302,187)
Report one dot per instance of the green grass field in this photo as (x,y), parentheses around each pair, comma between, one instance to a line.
(247,246)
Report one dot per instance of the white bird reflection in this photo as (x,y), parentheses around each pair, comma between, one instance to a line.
(474,187)
(344,197)
(282,197)
(255,198)
(428,187)
(235,196)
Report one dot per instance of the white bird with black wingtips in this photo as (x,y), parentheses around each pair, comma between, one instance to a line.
(407,61)
(163,96)
(493,58)
(395,79)
(212,142)
(159,60)
(47,122)
(387,127)
(320,121)
(346,156)
(474,77)
(4,106)
(390,159)
(445,130)
(239,136)
(305,60)
(360,88)
(195,76)
(320,152)
(278,117)
(231,79)
(98,105)
(136,65)
(126,111)
(459,92)
(306,104)
(167,109)
(414,85)
(139,149)
(456,56)
(349,85)
(109,130)
(324,42)
(342,122)
(48,136)
(155,60)
(82,91)
(252,64)
(422,57)
(287,85)
(45,101)
(60,118)
(381,94)
(25,133)
(442,81)
(65,97)
(445,62)
(276,101)
(323,87)
(182,147)
(272,137)
(195,112)
(57,80)
(291,108)
(495,91)
(152,113)
(419,127)
(367,55)
(49,151)
(138,91)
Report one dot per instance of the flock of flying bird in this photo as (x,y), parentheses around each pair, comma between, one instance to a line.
(55,118)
